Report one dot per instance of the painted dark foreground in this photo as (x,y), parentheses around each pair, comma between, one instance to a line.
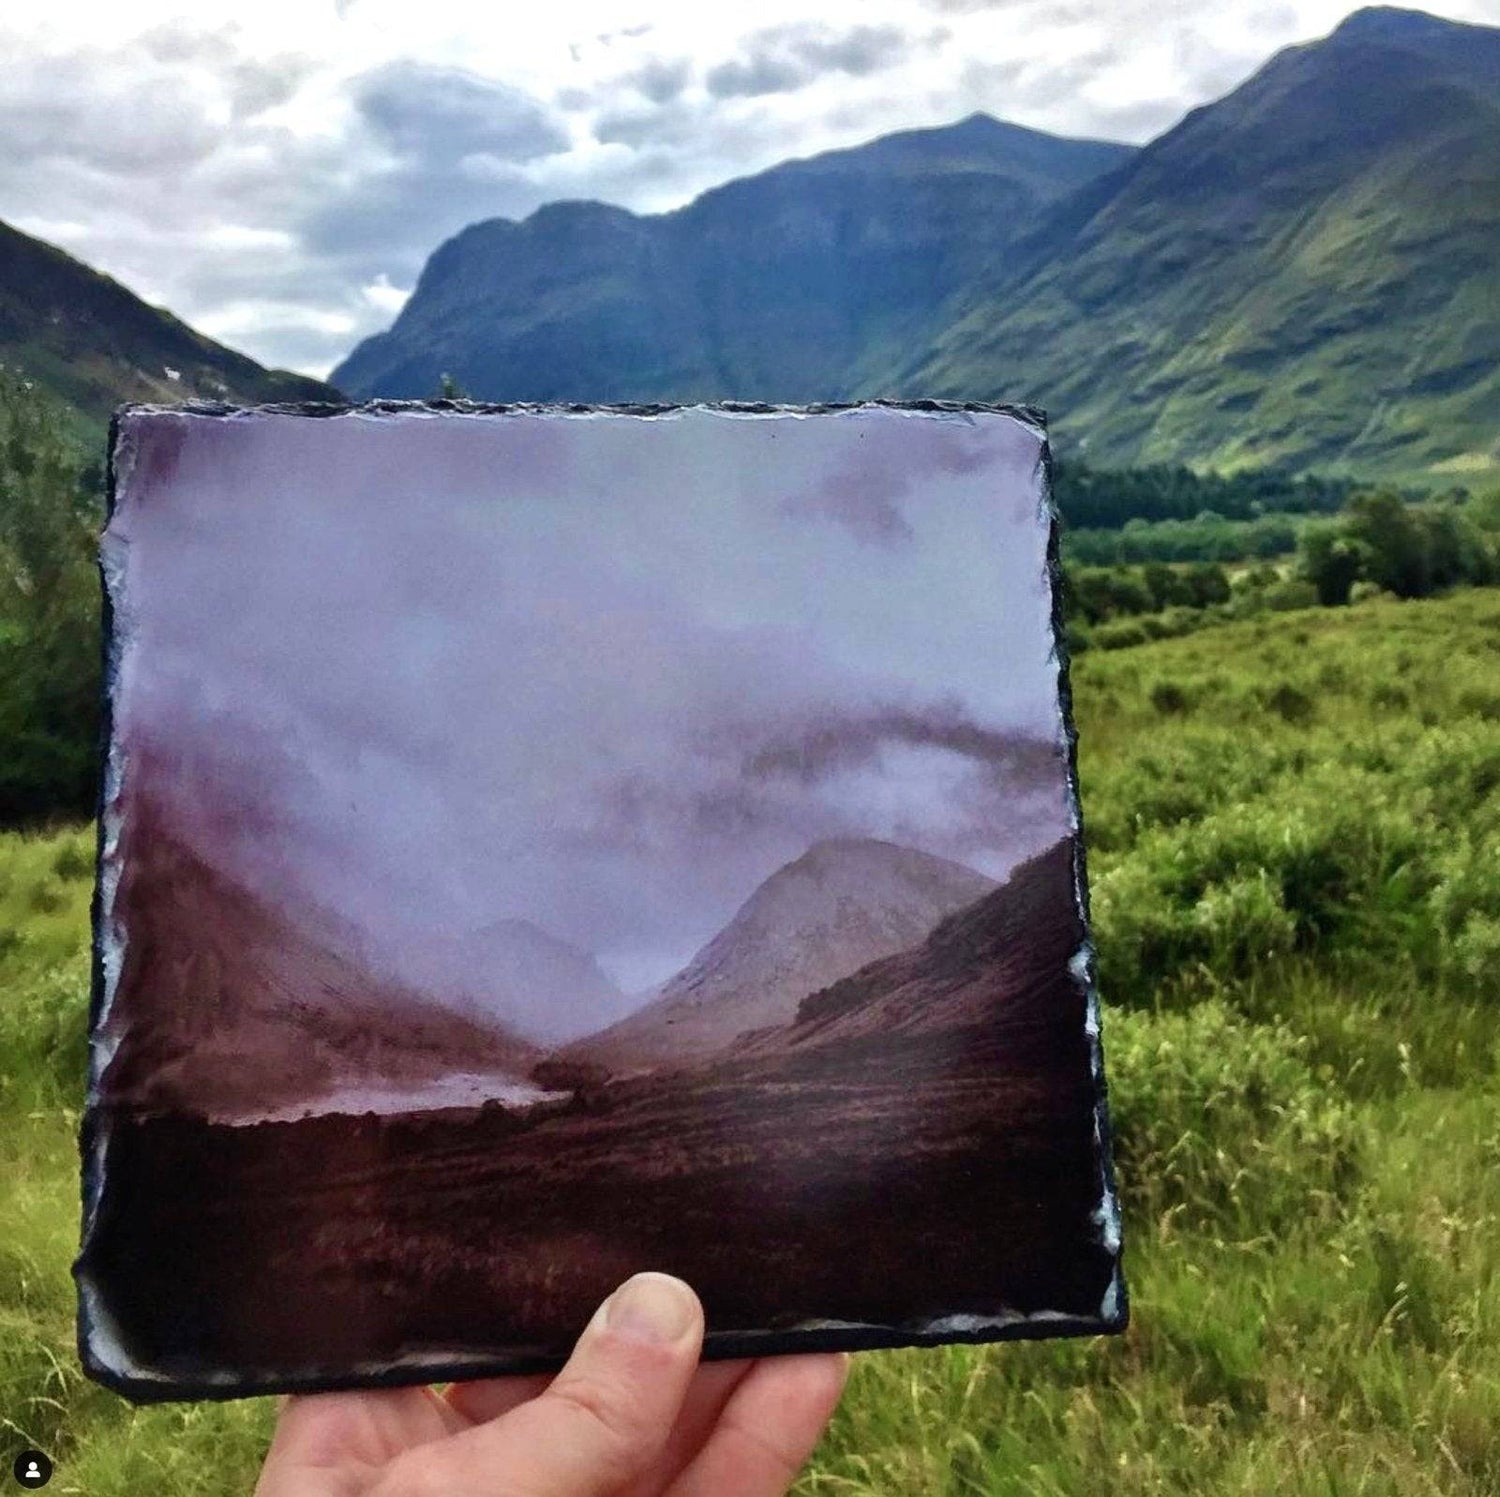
(919,1143)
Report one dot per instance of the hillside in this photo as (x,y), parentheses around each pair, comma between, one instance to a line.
(513,973)
(801,283)
(842,904)
(1305,273)
(95,345)
(1005,948)
(252,1015)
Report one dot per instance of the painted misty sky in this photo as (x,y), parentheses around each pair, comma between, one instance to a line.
(600,673)
(278,173)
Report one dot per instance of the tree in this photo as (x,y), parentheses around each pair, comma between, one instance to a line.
(1392,541)
(49,613)
(1331,562)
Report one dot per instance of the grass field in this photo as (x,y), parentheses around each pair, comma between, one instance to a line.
(1294,826)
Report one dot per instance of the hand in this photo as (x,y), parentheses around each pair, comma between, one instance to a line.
(631,1415)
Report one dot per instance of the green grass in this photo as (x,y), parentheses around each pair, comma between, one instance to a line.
(1295,850)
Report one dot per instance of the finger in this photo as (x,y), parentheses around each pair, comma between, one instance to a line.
(489,1398)
(706,1396)
(768,1429)
(712,1386)
(319,1436)
(599,1427)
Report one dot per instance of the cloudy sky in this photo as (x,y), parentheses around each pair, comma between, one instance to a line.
(602,674)
(278,172)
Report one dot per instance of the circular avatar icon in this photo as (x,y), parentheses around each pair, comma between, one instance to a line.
(32,1469)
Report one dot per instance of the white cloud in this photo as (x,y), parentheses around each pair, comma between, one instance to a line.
(385,297)
(281,169)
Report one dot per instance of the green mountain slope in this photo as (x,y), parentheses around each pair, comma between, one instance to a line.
(802,283)
(1305,273)
(93,344)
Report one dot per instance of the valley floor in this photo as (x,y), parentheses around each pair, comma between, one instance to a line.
(881,1183)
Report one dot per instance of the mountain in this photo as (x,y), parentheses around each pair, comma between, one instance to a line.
(533,983)
(225,1008)
(95,345)
(999,953)
(805,282)
(1305,273)
(842,904)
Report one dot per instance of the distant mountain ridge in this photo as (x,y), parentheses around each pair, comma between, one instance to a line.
(1305,273)
(796,284)
(516,974)
(94,344)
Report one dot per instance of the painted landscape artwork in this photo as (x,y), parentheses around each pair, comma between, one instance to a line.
(541,844)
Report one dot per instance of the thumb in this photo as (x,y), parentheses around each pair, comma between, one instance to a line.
(605,1420)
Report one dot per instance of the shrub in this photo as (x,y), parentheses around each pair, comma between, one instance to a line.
(1223,1126)
(1293,593)
(1169,699)
(1119,636)
(1465,907)
(1290,704)
(1338,860)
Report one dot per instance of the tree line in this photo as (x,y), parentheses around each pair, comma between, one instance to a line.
(1412,551)
(1099,499)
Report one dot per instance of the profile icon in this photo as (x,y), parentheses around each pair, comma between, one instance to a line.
(32,1469)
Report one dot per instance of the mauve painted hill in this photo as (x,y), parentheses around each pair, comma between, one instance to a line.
(227,1009)
(842,904)
(996,954)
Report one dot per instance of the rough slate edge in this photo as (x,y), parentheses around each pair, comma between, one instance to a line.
(93,1138)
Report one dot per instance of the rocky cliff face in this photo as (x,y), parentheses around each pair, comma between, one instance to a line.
(798,284)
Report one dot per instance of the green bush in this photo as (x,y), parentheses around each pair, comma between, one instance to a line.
(1169,699)
(1222,1125)
(1290,704)
(1333,862)
(49,614)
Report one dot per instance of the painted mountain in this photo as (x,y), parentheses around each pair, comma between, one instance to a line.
(842,904)
(986,964)
(1305,273)
(800,284)
(252,1014)
(95,345)
(516,974)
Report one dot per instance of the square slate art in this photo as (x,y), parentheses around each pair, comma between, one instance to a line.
(540,844)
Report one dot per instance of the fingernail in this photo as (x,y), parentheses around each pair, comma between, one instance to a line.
(652,1307)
